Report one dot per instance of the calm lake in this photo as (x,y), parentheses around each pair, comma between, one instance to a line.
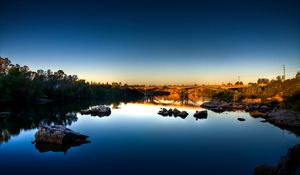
(134,139)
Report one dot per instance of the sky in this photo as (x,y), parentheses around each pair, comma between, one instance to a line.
(154,42)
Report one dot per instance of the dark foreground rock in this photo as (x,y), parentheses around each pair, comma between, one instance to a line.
(175,112)
(287,165)
(97,111)
(201,114)
(60,135)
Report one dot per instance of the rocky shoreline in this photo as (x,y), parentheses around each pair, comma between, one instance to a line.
(282,118)
(287,165)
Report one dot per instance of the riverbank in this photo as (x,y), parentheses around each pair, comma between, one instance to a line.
(287,165)
(271,112)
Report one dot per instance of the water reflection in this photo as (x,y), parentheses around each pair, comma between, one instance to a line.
(43,147)
(191,101)
(136,135)
(31,117)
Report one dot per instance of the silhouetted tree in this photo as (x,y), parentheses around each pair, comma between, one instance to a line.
(263,81)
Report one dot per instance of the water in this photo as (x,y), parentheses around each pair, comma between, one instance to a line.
(134,139)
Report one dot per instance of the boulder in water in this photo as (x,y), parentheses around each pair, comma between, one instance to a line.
(59,134)
(97,111)
(201,114)
(176,112)
(183,114)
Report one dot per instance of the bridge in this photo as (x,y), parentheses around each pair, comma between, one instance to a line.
(182,91)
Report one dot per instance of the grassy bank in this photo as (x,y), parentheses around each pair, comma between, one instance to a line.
(287,93)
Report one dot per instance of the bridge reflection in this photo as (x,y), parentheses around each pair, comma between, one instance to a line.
(183,95)
(194,99)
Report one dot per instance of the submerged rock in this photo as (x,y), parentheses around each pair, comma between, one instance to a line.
(97,111)
(201,114)
(287,165)
(59,134)
(241,119)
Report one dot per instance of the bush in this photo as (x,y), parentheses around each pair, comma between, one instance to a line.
(293,101)
(223,95)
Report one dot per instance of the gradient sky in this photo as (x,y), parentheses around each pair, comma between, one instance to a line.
(154,42)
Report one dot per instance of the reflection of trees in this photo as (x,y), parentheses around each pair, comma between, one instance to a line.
(33,118)
(116,105)
(54,113)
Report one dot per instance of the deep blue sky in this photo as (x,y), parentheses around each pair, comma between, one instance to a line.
(154,41)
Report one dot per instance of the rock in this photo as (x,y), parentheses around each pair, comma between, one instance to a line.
(251,100)
(237,106)
(97,111)
(183,114)
(201,114)
(263,108)
(263,170)
(58,134)
(210,104)
(218,106)
(284,118)
(163,112)
(218,109)
(287,165)
(170,112)
(252,107)
(176,112)
(241,119)
(257,114)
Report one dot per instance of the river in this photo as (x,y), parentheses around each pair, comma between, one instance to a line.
(134,139)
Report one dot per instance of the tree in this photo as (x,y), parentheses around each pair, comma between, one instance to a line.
(4,65)
(239,83)
(297,76)
(263,81)
(279,78)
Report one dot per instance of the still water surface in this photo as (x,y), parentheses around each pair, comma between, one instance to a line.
(134,139)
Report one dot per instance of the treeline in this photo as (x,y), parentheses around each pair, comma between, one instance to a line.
(19,84)
(287,92)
